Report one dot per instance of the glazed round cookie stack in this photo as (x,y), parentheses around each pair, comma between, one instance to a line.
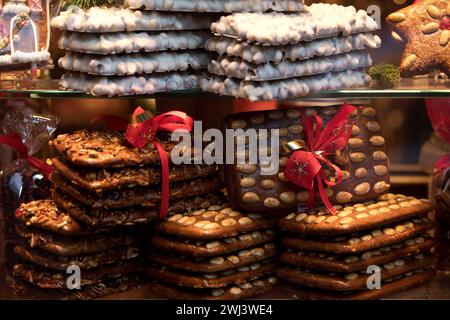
(213,253)
(337,256)
(103,191)
(117,52)
(265,56)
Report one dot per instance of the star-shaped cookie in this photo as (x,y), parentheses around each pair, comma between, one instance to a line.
(426,27)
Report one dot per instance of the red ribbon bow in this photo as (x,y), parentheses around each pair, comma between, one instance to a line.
(140,133)
(305,168)
(439,114)
(14,141)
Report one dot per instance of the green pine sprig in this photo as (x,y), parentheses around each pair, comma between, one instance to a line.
(385,75)
(86,4)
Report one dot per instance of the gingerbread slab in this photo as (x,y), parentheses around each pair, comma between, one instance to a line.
(354,280)
(246,290)
(106,149)
(104,217)
(44,214)
(387,209)
(196,248)
(74,245)
(106,287)
(351,263)
(215,223)
(57,280)
(363,161)
(211,280)
(105,179)
(362,241)
(400,283)
(146,197)
(218,263)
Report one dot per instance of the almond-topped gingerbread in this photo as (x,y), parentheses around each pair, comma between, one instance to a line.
(363,162)
(106,149)
(51,279)
(246,290)
(112,19)
(86,261)
(211,279)
(387,209)
(364,240)
(196,248)
(214,223)
(103,179)
(139,196)
(44,214)
(354,280)
(64,246)
(425,27)
(360,261)
(218,263)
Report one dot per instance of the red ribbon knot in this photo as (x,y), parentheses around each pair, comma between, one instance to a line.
(142,131)
(14,141)
(305,168)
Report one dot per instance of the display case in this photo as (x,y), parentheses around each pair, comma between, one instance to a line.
(95,203)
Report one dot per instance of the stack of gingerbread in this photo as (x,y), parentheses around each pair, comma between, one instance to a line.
(214,253)
(332,253)
(58,257)
(367,251)
(104,190)
(116,51)
(266,56)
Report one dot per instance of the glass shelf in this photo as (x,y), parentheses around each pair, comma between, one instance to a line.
(408,88)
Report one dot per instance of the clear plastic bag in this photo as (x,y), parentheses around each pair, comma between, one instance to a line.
(439,114)
(20,180)
(24,34)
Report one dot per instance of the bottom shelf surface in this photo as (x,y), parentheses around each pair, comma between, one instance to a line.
(438,288)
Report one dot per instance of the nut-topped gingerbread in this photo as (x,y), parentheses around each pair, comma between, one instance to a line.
(426,27)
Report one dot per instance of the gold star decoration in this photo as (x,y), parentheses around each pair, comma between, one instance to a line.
(426,27)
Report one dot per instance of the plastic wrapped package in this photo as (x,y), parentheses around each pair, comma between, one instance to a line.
(24,179)
(24,34)
(439,114)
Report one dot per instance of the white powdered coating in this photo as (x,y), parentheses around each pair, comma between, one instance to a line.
(217,5)
(25,57)
(284,89)
(121,42)
(135,63)
(118,19)
(235,67)
(12,8)
(323,47)
(129,85)
(320,21)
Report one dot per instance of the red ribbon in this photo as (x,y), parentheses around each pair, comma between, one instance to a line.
(141,134)
(14,141)
(439,114)
(305,168)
